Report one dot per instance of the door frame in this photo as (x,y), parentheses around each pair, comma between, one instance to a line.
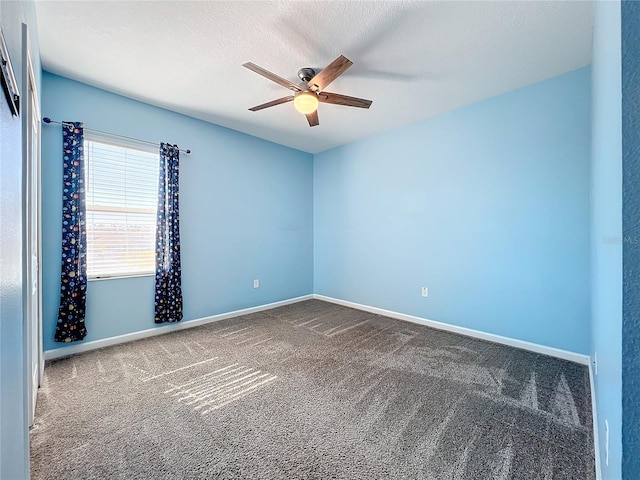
(32,230)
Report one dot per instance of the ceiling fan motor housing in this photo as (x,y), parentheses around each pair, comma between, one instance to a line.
(306,74)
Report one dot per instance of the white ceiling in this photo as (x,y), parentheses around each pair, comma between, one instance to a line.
(414,59)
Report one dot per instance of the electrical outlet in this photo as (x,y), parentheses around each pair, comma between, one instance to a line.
(256,283)
(606,442)
(425,292)
(595,363)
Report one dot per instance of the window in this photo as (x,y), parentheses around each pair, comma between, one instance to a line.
(121,202)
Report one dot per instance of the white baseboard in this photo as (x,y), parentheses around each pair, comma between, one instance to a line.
(594,416)
(173,327)
(512,342)
(128,337)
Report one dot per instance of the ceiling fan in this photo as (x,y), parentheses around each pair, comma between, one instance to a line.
(306,97)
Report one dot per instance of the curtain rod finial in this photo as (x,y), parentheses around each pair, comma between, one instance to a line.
(188,152)
(46,120)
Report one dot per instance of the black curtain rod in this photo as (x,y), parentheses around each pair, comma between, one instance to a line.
(48,120)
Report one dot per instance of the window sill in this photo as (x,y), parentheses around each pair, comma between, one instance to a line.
(120,277)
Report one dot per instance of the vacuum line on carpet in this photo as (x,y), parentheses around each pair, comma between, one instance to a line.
(233,333)
(227,389)
(175,387)
(563,403)
(216,331)
(370,336)
(347,328)
(461,465)
(261,342)
(221,378)
(327,332)
(306,323)
(240,394)
(178,369)
(251,336)
(223,389)
(163,347)
(201,390)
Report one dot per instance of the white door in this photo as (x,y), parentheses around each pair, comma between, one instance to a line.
(32,238)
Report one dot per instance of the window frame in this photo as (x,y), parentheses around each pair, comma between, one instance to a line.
(121,143)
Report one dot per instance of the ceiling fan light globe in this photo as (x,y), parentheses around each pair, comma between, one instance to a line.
(306,102)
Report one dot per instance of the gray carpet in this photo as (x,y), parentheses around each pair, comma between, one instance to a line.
(313,391)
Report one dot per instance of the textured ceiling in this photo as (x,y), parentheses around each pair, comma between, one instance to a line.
(413,59)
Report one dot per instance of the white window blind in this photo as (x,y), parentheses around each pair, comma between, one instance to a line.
(121,202)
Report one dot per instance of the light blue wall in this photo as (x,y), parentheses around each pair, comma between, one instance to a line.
(245,213)
(14,440)
(488,206)
(606,230)
(631,245)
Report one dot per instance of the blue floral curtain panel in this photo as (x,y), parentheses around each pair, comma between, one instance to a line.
(168,270)
(73,280)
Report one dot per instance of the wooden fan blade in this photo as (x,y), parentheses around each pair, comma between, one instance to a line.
(272,76)
(312,118)
(338,99)
(329,74)
(272,103)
